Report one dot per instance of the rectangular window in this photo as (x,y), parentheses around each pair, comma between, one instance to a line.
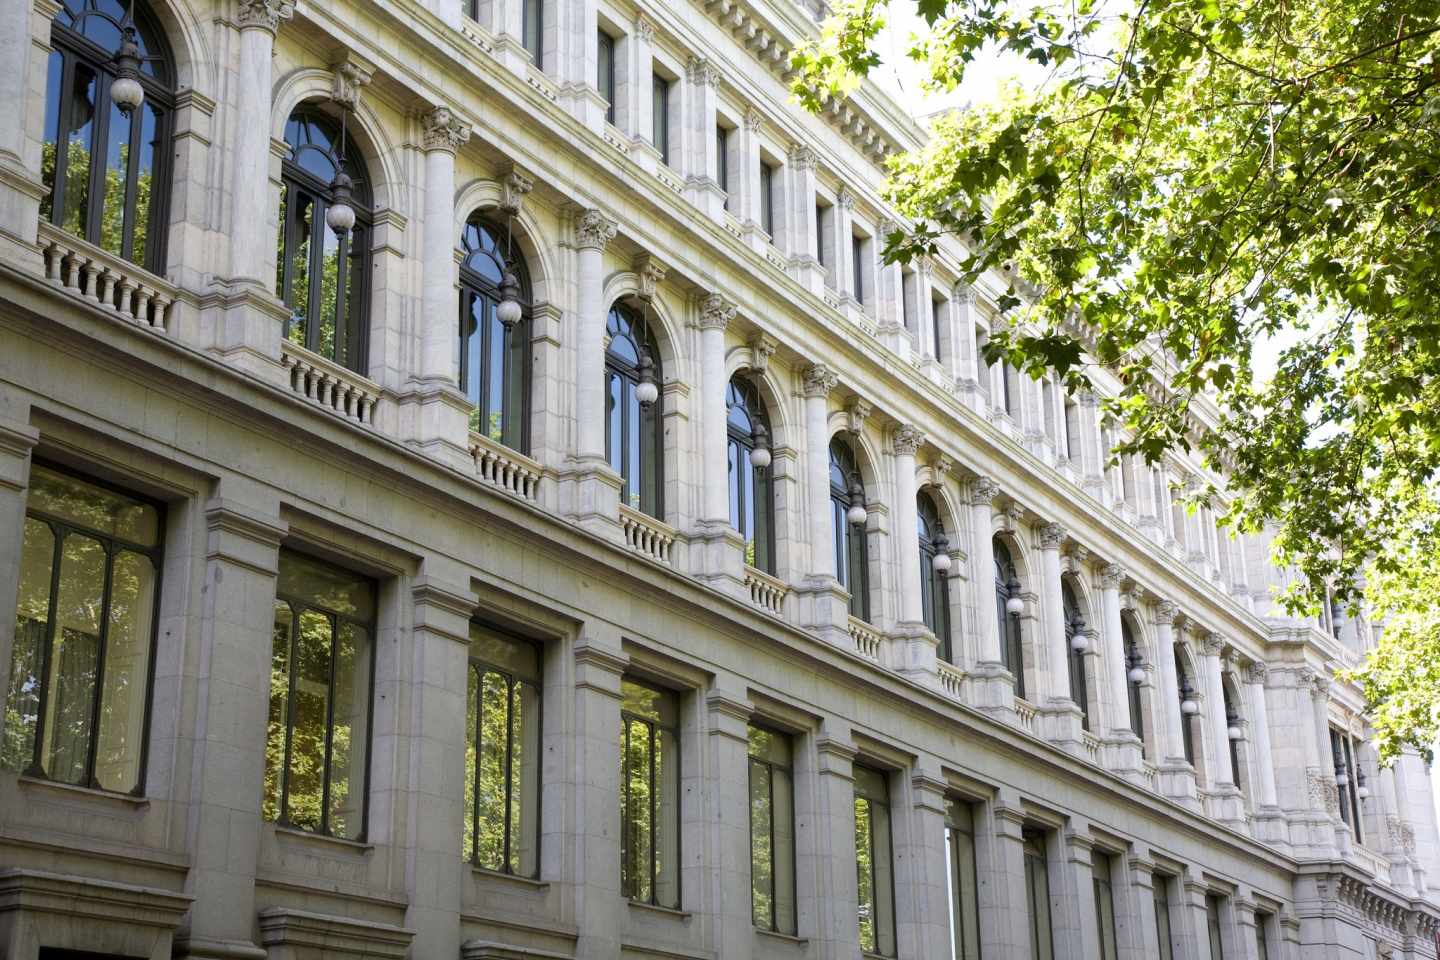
(962,879)
(532,29)
(772,831)
(1037,888)
(1101,866)
(317,742)
(1346,775)
(1262,936)
(822,225)
(1212,926)
(605,72)
(875,884)
(650,795)
(1160,890)
(502,753)
(1072,430)
(937,328)
(857,264)
(907,299)
(767,198)
(722,160)
(660,117)
(80,668)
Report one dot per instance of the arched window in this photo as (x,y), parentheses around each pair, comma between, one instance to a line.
(1134,669)
(1189,705)
(1007,585)
(110,182)
(752,503)
(1075,627)
(633,430)
(494,361)
(323,275)
(1233,733)
(852,566)
(934,592)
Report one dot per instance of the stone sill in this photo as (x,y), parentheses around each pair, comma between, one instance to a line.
(100,795)
(663,911)
(783,937)
(485,874)
(294,835)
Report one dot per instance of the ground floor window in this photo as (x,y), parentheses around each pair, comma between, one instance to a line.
(772,831)
(649,795)
(873,864)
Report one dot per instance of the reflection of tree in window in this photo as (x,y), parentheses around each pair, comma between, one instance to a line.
(494,362)
(650,795)
(852,564)
(110,203)
(934,587)
(502,753)
(875,885)
(316,748)
(633,431)
(772,831)
(752,504)
(84,634)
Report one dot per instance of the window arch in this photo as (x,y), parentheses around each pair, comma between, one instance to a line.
(322,275)
(1133,662)
(494,361)
(752,500)
(1007,585)
(1075,659)
(1233,733)
(934,590)
(110,182)
(852,566)
(633,430)
(1188,692)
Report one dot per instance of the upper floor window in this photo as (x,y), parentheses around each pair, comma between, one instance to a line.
(1076,644)
(847,523)
(532,30)
(634,441)
(937,328)
(1346,776)
(84,646)
(858,250)
(1135,675)
(1189,705)
(772,831)
(752,501)
(874,874)
(650,795)
(322,659)
(1160,893)
(502,753)
(1101,865)
(1037,889)
(823,238)
(494,358)
(722,161)
(934,585)
(1072,430)
(660,117)
(605,71)
(963,880)
(105,161)
(322,273)
(767,198)
(1009,604)
(1234,733)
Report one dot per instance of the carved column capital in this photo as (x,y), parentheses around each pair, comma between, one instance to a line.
(1051,536)
(1111,576)
(844,199)
(1257,672)
(983,491)
(650,273)
(263,14)
(819,380)
(1212,644)
(754,120)
(444,131)
(645,28)
(515,186)
(1165,612)
(907,440)
(716,312)
(801,157)
(593,230)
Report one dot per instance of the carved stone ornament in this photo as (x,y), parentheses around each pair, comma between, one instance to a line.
(1166,611)
(1112,576)
(514,188)
(844,199)
(857,412)
(444,131)
(907,440)
(651,273)
(754,119)
(801,157)
(593,230)
(983,491)
(716,313)
(265,14)
(762,348)
(819,380)
(346,78)
(1212,644)
(1257,672)
(1052,535)
(645,29)
(941,467)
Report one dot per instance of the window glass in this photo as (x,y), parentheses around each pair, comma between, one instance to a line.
(84,634)
(962,880)
(605,72)
(650,795)
(772,831)
(873,863)
(660,117)
(1262,936)
(533,30)
(767,198)
(1006,581)
(1100,870)
(633,431)
(1075,659)
(494,361)
(852,566)
(1037,884)
(934,585)
(1212,926)
(502,753)
(722,161)
(752,502)
(1132,655)
(1161,892)
(317,745)
(857,254)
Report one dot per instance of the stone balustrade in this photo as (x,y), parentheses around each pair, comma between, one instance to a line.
(507,469)
(646,535)
(952,679)
(766,592)
(327,384)
(1025,715)
(86,271)
(867,640)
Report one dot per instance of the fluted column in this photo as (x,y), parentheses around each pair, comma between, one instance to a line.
(1169,713)
(715,315)
(444,133)
(1217,724)
(593,231)
(983,492)
(1255,677)
(1116,668)
(907,440)
(1052,612)
(819,381)
(249,238)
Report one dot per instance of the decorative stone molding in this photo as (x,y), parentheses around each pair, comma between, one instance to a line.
(1079,555)
(1320,687)
(801,157)
(716,312)
(762,348)
(856,412)
(442,130)
(645,29)
(907,440)
(1257,672)
(844,199)
(1052,535)
(1166,611)
(1212,644)
(348,74)
(983,491)
(263,14)
(754,120)
(1111,576)
(338,937)
(818,380)
(514,188)
(1322,791)
(700,71)
(651,273)
(593,230)
(943,465)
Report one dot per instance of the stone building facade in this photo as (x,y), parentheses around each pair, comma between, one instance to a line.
(469,487)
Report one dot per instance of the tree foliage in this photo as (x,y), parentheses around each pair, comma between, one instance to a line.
(1192,180)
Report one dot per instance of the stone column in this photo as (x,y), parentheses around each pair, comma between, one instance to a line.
(1255,677)
(17,439)
(639,111)
(825,605)
(1053,668)
(994,685)
(22,90)
(1004,910)
(800,226)
(917,644)
(434,787)
(1211,647)
(594,784)
(443,134)
(702,81)
(1169,712)
(1393,842)
(728,817)
(745,177)
(1075,921)
(837,930)
(1143,941)
(232,693)
(1192,921)
(844,249)
(1117,673)
(926,912)
(593,231)
(969,367)
(715,315)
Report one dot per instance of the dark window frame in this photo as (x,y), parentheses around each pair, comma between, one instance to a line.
(618,368)
(934,585)
(654,728)
(1037,864)
(887,808)
(660,116)
(753,761)
(758,497)
(851,543)
(767,198)
(1075,660)
(474,286)
(60,528)
(605,71)
(1012,642)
